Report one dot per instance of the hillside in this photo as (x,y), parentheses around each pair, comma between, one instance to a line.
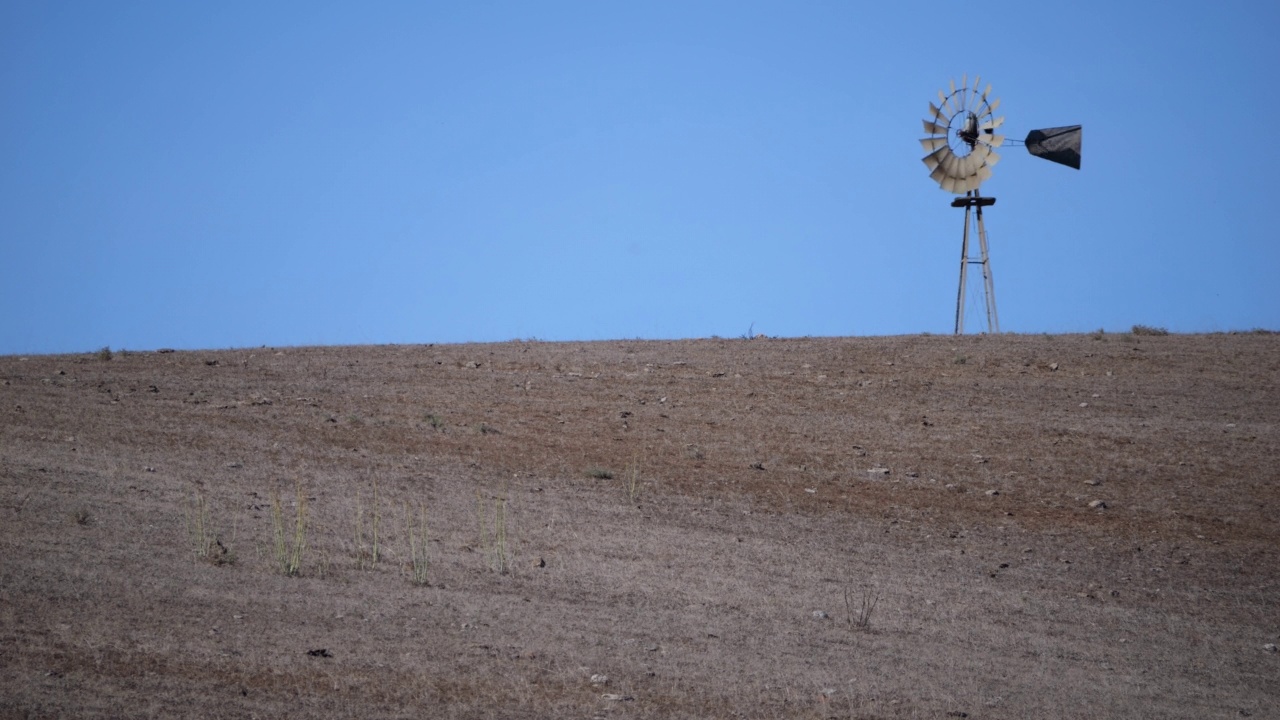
(922,526)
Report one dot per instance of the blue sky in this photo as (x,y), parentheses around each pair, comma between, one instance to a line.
(235,174)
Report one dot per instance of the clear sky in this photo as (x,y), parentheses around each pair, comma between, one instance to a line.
(236,174)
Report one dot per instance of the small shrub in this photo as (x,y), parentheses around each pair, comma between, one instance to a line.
(105,354)
(1148,330)
(435,421)
(81,515)
(600,474)
(861,619)
(961,360)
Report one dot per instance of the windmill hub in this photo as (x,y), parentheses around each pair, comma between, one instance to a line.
(969,132)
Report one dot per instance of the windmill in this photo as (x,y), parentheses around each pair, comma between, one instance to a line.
(961,151)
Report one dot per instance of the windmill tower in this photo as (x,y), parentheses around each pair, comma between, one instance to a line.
(961,151)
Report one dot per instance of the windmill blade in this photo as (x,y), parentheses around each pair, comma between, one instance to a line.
(939,175)
(992,158)
(954,166)
(980,155)
(993,124)
(947,163)
(934,159)
(977,82)
(934,128)
(1061,144)
(932,143)
(953,86)
(984,173)
(995,104)
(942,103)
(934,112)
(994,141)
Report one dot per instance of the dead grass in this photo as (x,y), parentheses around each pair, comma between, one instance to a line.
(756,527)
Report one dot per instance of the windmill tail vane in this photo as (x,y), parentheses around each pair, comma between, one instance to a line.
(1060,144)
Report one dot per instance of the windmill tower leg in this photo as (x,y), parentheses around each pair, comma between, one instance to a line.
(972,202)
(993,319)
(964,274)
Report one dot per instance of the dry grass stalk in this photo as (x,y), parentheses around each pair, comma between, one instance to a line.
(204,539)
(289,549)
(368,549)
(417,532)
(633,479)
(493,537)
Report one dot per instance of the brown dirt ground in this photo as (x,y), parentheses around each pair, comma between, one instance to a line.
(719,572)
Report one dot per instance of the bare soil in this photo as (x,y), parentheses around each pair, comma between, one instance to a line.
(988,526)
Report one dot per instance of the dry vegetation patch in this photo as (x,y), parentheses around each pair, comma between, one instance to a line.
(1010,526)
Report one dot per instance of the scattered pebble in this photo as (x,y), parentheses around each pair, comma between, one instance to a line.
(1269,647)
(1098,505)
(599,679)
(820,615)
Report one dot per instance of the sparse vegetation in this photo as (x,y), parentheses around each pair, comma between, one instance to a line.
(105,354)
(1148,330)
(600,474)
(859,617)
(289,545)
(435,421)
(416,530)
(367,545)
(492,512)
(205,543)
(633,479)
(81,515)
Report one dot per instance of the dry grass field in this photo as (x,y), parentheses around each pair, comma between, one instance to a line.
(1077,526)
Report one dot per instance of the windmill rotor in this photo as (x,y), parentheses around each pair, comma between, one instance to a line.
(962,136)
